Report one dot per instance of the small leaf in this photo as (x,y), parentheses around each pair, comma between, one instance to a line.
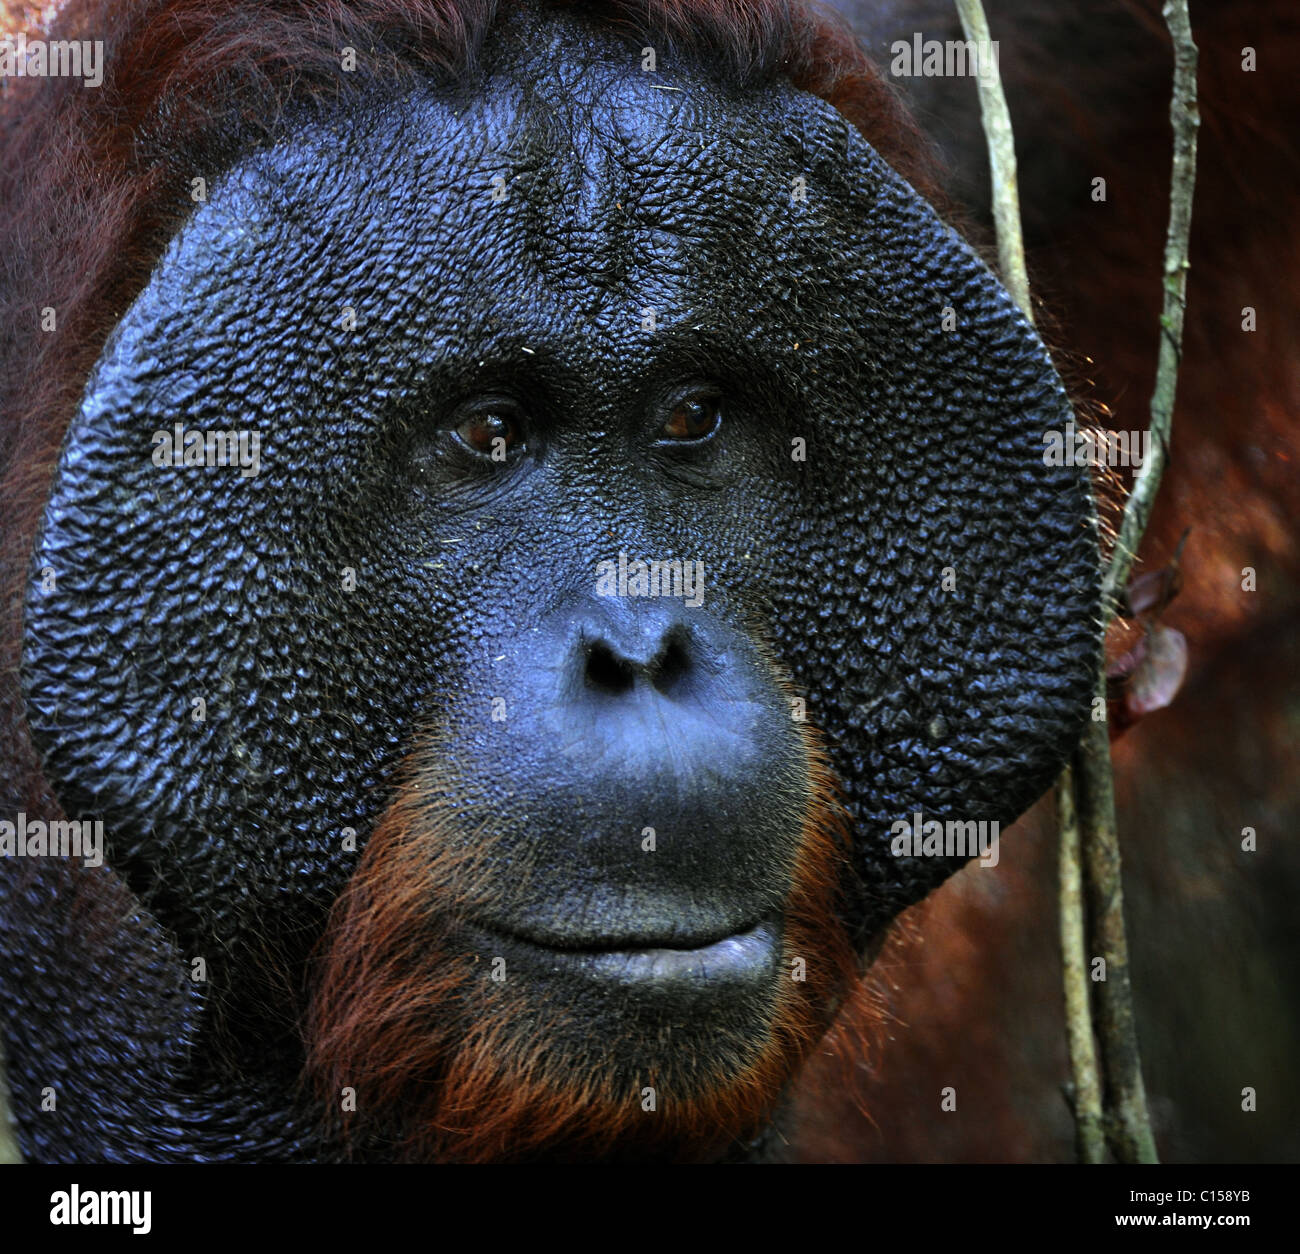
(1156,679)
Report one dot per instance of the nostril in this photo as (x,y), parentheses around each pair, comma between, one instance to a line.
(611,671)
(606,671)
(672,663)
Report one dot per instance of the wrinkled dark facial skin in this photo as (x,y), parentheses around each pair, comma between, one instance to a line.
(359,296)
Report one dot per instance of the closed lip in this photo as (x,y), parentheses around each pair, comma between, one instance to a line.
(749,952)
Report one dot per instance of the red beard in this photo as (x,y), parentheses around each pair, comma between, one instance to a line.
(448,1066)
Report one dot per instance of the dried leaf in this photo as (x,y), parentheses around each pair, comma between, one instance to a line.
(1159,674)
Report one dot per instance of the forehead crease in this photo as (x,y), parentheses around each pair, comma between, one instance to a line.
(653,187)
(614,198)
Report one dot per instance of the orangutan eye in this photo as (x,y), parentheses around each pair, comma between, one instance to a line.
(695,418)
(490,433)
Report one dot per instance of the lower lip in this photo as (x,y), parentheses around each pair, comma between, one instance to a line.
(749,955)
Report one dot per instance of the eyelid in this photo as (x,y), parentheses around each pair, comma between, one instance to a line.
(479,406)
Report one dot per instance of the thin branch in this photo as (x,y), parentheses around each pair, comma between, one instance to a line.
(1129,1126)
(1085,1091)
(1002,156)
(1186,118)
